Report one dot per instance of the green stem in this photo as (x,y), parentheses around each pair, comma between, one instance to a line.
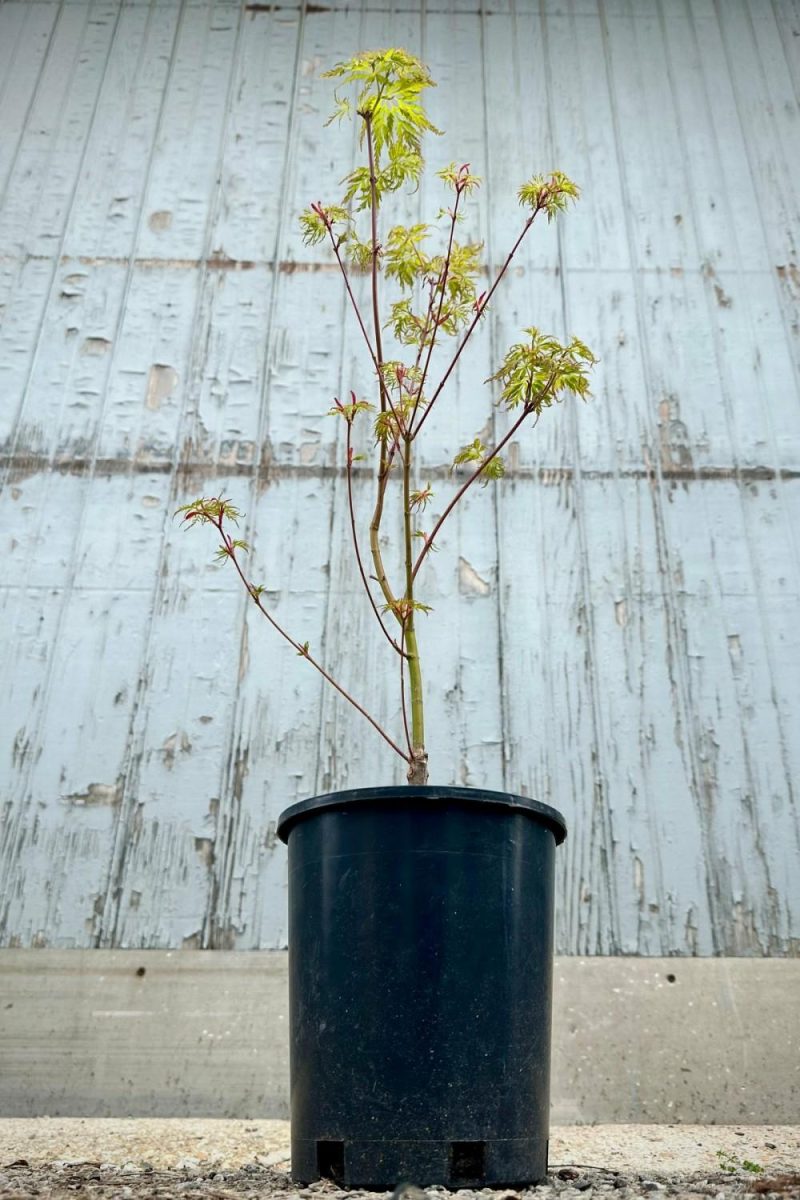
(418,770)
(354,532)
(375,543)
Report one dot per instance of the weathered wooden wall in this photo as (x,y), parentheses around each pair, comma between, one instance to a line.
(616,627)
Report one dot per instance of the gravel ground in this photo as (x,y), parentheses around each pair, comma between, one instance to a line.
(216,1160)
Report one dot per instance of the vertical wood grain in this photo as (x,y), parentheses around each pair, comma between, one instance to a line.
(614,626)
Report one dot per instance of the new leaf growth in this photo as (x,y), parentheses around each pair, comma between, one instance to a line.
(437,299)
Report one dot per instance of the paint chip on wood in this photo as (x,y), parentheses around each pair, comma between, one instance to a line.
(161,382)
(95,794)
(95,346)
(470,583)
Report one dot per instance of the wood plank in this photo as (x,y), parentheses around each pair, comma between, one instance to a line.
(614,625)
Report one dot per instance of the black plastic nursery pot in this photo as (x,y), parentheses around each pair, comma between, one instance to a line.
(420,979)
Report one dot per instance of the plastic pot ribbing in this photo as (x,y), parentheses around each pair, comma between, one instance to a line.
(420,978)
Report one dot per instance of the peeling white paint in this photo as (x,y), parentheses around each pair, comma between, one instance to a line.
(470,583)
(635,657)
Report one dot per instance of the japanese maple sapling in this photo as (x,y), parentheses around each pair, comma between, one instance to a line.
(436,300)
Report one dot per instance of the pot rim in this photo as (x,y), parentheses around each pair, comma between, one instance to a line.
(402,793)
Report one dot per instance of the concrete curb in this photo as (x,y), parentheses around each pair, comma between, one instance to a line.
(160,1033)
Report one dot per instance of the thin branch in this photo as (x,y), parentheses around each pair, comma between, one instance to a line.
(375,309)
(302,650)
(443,285)
(475,319)
(361,570)
(428,315)
(353,300)
(429,539)
(386,456)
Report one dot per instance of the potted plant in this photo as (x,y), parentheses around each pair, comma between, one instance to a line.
(420,917)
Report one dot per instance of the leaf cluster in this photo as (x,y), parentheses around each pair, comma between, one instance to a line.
(460,179)
(228,549)
(350,411)
(317,221)
(549,194)
(207,510)
(451,284)
(491,465)
(389,87)
(533,373)
(403,608)
(420,499)
(402,384)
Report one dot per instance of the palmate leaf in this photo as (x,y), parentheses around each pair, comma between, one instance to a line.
(406,325)
(549,194)
(403,258)
(350,411)
(420,500)
(474,452)
(494,469)
(534,373)
(358,188)
(208,510)
(403,608)
(460,178)
(390,84)
(313,227)
(358,253)
(315,221)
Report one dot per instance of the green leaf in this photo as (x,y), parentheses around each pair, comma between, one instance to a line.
(358,188)
(406,326)
(402,256)
(420,500)
(359,253)
(549,194)
(494,469)
(343,109)
(535,373)
(389,86)
(403,608)
(350,411)
(208,510)
(459,178)
(474,452)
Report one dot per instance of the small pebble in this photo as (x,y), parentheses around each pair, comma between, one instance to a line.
(187,1163)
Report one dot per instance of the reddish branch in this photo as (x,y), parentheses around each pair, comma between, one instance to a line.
(478,314)
(302,649)
(528,409)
